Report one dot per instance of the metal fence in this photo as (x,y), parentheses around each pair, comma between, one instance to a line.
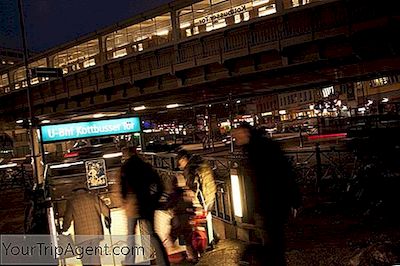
(314,167)
(19,176)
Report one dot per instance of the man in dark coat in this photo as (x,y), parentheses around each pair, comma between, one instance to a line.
(272,181)
(141,189)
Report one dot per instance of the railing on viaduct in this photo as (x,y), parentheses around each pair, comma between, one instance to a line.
(271,33)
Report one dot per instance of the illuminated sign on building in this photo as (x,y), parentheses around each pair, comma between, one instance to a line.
(90,129)
(221,15)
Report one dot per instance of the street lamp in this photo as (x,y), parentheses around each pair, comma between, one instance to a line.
(28,91)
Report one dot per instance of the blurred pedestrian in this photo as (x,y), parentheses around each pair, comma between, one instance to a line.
(141,190)
(275,192)
(181,205)
(200,180)
(85,210)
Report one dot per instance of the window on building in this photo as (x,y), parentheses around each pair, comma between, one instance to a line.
(89,63)
(327,91)
(238,19)
(266,10)
(210,15)
(4,80)
(148,33)
(119,53)
(75,56)
(19,74)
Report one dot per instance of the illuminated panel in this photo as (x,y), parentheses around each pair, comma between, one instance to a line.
(237,199)
(90,129)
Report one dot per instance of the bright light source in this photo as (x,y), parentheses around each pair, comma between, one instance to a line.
(370,102)
(10,165)
(238,101)
(139,108)
(282,112)
(259,2)
(20,121)
(311,106)
(112,155)
(361,109)
(174,105)
(98,115)
(147,131)
(45,121)
(385,100)
(266,114)
(136,134)
(237,197)
(64,165)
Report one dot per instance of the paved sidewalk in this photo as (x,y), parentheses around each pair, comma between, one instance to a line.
(226,253)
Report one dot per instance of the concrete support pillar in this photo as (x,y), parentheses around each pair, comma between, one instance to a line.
(279,6)
(175,25)
(102,51)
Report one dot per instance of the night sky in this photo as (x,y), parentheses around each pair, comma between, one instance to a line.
(49,23)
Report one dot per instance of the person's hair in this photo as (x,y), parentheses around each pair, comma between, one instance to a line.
(130,150)
(183,154)
(245,125)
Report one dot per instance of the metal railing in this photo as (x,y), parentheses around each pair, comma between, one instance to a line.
(313,168)
(166,165)
(19,176)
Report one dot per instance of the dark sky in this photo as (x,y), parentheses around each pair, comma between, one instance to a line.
(52,22)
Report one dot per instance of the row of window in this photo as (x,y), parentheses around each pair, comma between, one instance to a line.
(203,16)
(378,82)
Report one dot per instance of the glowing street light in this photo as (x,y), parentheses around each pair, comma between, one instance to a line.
(20,121)
(99,115)
(385,100)
(174,105)
(139,108)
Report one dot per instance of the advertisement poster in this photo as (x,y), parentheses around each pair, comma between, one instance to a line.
(96,174)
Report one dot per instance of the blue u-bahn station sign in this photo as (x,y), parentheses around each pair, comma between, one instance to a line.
(89,129)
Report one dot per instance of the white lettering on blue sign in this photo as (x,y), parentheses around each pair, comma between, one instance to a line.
(90,129)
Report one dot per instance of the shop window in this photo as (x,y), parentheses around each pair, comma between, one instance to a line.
(196,30)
